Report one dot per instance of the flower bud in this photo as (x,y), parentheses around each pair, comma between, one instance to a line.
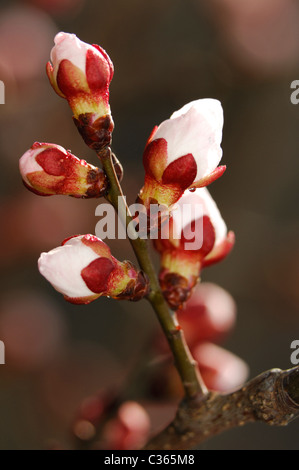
(183,152)
(82,73)
(128,430)
(196,237)
(209,314)
(83,269)
(49,169)
(220,369)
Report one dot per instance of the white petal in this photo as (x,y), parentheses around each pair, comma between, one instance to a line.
(68,46)
(205,206)
(197,129)
(28,164)
(62,267)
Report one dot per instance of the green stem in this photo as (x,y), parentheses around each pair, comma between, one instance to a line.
(185,364)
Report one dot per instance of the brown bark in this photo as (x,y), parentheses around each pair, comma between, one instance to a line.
(272,397)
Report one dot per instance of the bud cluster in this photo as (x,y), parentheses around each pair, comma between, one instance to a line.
(181,158)
(82,269)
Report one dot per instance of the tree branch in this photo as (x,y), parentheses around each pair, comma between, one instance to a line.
(272,397)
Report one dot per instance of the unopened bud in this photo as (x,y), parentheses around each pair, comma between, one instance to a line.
(83,269)
(49,169)
(183,152)
(82,73)
(191,245)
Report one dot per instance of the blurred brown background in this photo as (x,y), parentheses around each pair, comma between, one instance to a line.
(166,53)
